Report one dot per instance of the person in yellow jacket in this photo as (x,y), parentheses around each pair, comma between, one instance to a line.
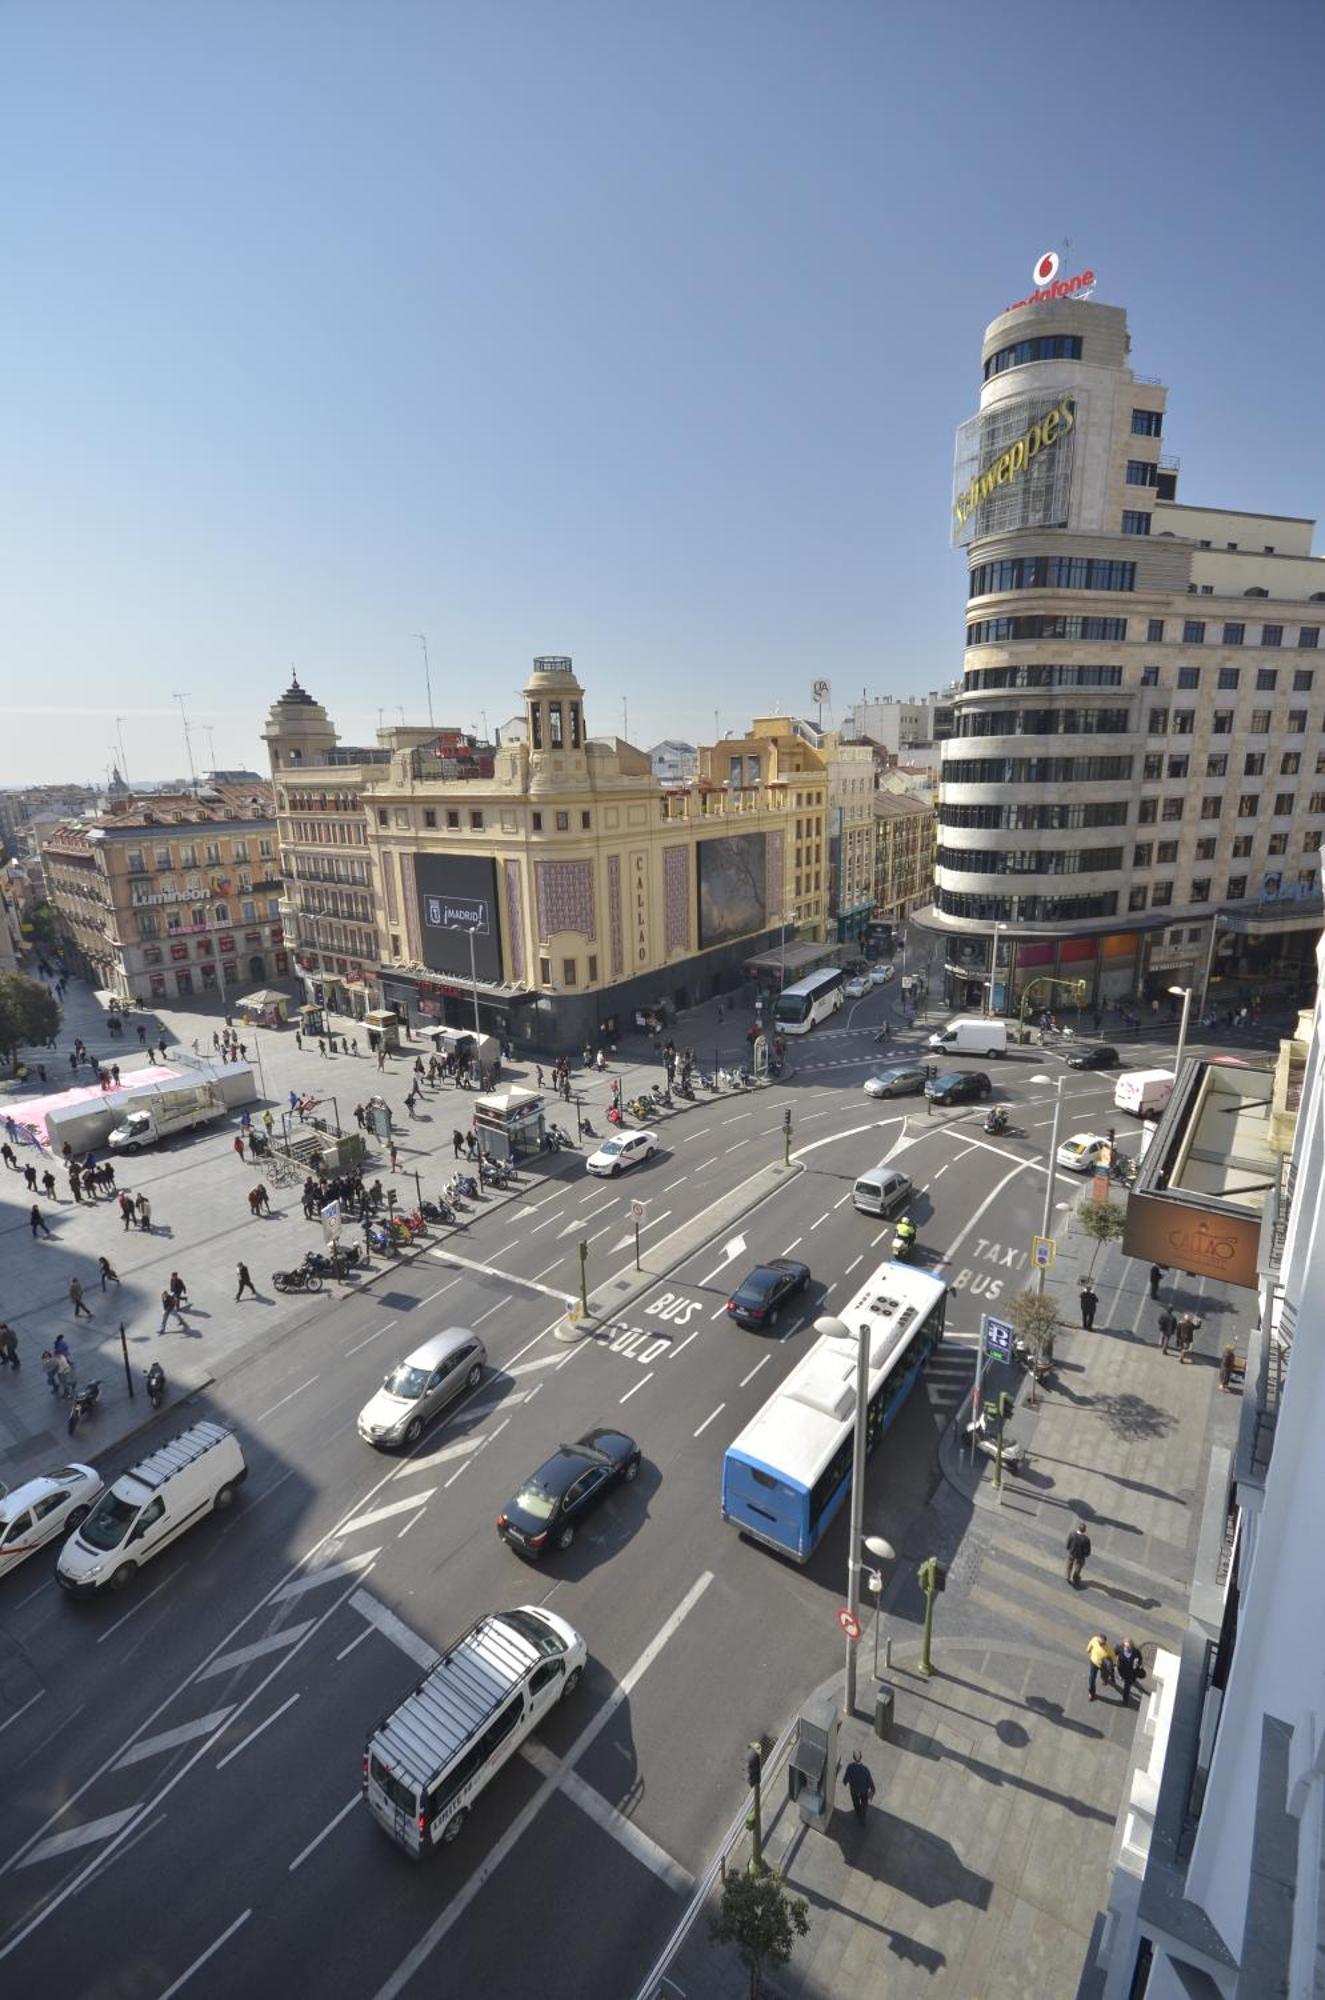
(1103,1661)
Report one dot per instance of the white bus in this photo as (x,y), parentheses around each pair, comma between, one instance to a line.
(798,1007)
(787,1474)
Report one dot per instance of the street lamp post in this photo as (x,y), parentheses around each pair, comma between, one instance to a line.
(1186,993)
(993,971)
(473,978)
(1209,966)
(1051,1178)
(884,1552)
(841,1331)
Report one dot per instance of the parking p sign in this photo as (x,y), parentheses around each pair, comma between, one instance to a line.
(996,1337)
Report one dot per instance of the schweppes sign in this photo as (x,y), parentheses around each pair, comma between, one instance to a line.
(1042,435)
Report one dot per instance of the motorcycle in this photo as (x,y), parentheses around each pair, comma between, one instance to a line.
(382,1239)
(85,1400)
(984,1438)
(615,1116)
(438,1211)
(661,1099)
(904,1245)
(557,1141)
(156,1385)
(343,1258)
(996,1121)
(466,1187)
(304,1278)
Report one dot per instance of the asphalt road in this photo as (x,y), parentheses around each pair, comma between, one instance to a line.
(181,1763)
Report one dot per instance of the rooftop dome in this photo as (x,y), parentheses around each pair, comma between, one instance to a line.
(295,696)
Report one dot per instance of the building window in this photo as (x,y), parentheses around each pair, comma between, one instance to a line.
(1146,812)
(1141,471)
(545,971)
(1278,844)
(1159,722)
(1216,767)
(1253,764)
(1309,636)
(1172,809)
(593,970)
(1155,632)
(429,816)
(1249,805)
(1259,725)
(1193,632)
(1178,767)
(1141,855)
(538,822)
(575,725)
(1166,853)
(395,945)
(1205,849)
(554,725)
(1283,804)
(1311,841)
(1137,898)
(584,821)
(1200,890)
(1189,677)
(1242,847)
(1229,677)
(1043,347)
(1222,724)
(1150,677)
(1147,423)
(476,819)
(249,912)
(568,971)
(453,820)
(1303,679)
(1161,895)
(1316,803)
(1234,634)
(381,816)
(1184,721)
(1267,679)
(563,822)
(1297,722)
(1134,522)
(1290,763)
(1153,766)
(536,743)
(1272,635)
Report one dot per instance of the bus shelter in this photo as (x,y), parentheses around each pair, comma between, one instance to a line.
(510,1123)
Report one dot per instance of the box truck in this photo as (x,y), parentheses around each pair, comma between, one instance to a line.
(1144,1092)
(163,1111)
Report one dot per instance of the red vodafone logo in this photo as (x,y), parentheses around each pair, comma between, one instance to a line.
(1046,270)
(1049,286)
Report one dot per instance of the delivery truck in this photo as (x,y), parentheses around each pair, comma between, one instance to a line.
(1144,1092)
(163,1111)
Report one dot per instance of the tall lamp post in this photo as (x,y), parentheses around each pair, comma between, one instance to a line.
(473,978)
(1051,1178)
(1186,993)
(883,1551)
(841,1331)
(993,970)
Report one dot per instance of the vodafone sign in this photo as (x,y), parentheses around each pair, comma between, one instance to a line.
(1048,285)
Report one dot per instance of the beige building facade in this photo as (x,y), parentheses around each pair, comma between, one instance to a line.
(905,828)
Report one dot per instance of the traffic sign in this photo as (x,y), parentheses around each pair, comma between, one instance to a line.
(1043,1251)
(639,1209)
(997,1335)
(849,1622)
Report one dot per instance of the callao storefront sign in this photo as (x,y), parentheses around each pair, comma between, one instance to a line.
(1048,285)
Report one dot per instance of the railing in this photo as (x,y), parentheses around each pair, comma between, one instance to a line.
(1195,1799)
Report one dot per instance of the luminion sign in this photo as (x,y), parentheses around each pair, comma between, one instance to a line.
(1042,435)
(1048,284)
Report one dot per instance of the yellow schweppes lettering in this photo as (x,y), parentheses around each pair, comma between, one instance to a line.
(1010,464)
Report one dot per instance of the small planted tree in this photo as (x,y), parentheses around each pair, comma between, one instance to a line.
(1103,1221)
(28,1013)
(1035,1320)
(761,1920)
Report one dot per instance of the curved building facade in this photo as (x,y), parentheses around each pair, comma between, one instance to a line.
(1134,792)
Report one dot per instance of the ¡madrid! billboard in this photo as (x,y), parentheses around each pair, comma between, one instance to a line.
(457,893)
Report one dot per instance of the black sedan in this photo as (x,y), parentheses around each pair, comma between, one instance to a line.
(1098,1056)
(954,1086)
(553,1501)
(760,1297)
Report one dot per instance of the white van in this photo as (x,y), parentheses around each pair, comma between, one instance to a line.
(426,1762)
(148,1506)
(1144,1092)
(884,1190)
(971,1035)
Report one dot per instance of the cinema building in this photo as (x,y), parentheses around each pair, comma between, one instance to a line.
(1133,795)
(557,893)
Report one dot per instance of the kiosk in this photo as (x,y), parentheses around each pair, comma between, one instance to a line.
(383,1025)
(510,1123)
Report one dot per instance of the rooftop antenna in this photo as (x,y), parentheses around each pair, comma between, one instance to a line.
(427,675)
(188,745)
(211,744)
(119,737)
(401,713)
(625,720)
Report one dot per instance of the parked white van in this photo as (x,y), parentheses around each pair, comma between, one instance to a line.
(971,1035)
(148,1506)
(1144,1092)
(425,1763)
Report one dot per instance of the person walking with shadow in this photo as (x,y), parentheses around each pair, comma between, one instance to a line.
(1156,1273)
(169,1305)
(1078,1553)
(860,1784)
(246,1283)
(37,1221)
(1088,1302)
(1131,1667)
(76,1299)
(1103,1660)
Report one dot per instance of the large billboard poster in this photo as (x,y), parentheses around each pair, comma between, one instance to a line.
(455,892)
(732,900)
(1013,467)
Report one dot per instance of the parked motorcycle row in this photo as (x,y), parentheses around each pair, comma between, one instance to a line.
(87,1395)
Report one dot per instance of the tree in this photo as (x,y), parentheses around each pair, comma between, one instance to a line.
(28,1013)
(761,1920)
(1035,1320)
(1103,1222)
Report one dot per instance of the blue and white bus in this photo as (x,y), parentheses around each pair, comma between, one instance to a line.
(786,1475)
(798,1007)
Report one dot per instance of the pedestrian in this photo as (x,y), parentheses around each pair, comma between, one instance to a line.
(144,1212)
(8,1345)
(89,1179)
(169,1305)
(1088,1302)
(179,1289)
(8,1155)
(264,1199)
(37,1221)
(75,1185)
(1168,1327)
(127,1207)
(1156,1273)
(1103,1661)
(115,1072)
(860,1784)
(109,1275)
(64,1375)
(539,1068)
(354,1045)
(394,1157)
(238,1143)
(50,1368)
(1188,1328)
(1131,1667)
(321,1047)
(30,1176)
(76,1299)
(458,1143)
(268,1123)
(246,1283)
(1078,1551)
(471,1145)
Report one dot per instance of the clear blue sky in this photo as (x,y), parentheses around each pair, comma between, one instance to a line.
(636,332)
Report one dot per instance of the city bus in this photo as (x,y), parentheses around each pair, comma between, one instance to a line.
(786,1475)
(798,1007)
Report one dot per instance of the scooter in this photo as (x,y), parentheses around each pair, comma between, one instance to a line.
(984,1437)
(996,1122)
(84,1402)
(156,1385)
(904,1246)
(438,1211)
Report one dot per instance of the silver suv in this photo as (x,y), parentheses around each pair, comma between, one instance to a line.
(422,1386)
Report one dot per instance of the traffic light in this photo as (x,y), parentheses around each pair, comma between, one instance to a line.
(931,1576)
(1004,1406)
(786,1119)
(754,1765)
(1082,990)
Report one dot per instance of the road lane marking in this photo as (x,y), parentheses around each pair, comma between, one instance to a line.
(851,1267)
(369,1338)
(318,1838)
(243,1656)
(492,1309)
(705,1163)
(460,1902)
(371,1519)
(427,1301)
(285,1399)
(685,1343)
(170,1739)
(715,1315)
(656,1859)
(448,1483)
(544,1223)
(552,1267)
(87,1835)
(441,1456)
(792,1245)
(506,1277)
(590,1239)
(330,1572)
(528,1367)
(737,1116)
(676,1183)
(638,1386)
(210,1952)
(22,1711)
(823,1218)
(345,1651)
(397,1631)
(253,1734)
(708,1420)
(754,1371)
(147,1597)
(842,1198)
(737,1147)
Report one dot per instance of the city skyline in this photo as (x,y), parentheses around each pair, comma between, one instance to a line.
(641,340)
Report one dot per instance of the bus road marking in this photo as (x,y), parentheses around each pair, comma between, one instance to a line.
(638,1386)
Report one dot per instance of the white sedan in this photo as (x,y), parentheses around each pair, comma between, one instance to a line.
(622,1150)
(43,1509)
(880,975)
(856,989)
(1083,1151)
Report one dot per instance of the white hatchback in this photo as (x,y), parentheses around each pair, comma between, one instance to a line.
(880,975)
(857,988)
(41,1510)
(1083,1151)
(622,1150)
